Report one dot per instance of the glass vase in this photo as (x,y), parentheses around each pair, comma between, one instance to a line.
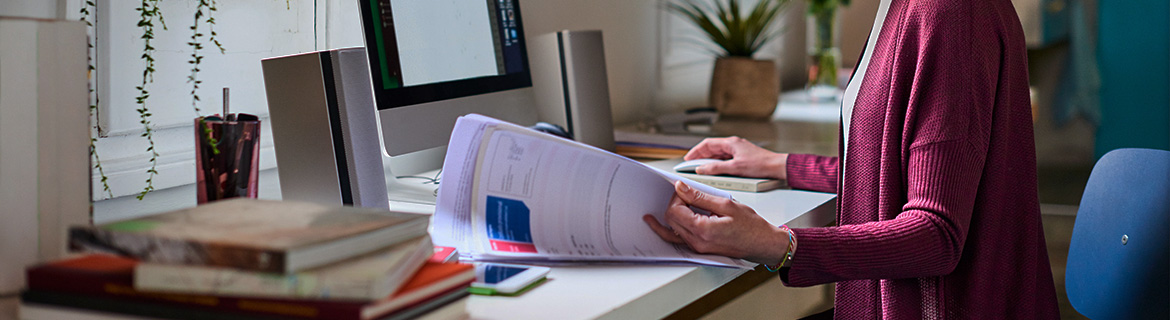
(824,53)
(227,155)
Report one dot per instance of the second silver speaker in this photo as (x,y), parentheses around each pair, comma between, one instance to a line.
(571,85)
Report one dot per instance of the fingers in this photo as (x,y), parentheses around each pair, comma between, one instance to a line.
(690,228)
(718,206)
(729,167)
(662,231)
(693,229)
(711,148)
(683,222)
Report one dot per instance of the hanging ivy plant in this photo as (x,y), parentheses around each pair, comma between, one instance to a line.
(86,12)
(203,13)
(149,15)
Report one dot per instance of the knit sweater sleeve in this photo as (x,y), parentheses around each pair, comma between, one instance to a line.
(925,239)
(945,76)
(811,172)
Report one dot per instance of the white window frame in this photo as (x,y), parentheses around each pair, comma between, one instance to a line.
(269,29)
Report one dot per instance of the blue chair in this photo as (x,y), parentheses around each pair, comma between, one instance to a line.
(1119,259)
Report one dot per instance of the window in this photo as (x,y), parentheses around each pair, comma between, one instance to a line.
(249,30)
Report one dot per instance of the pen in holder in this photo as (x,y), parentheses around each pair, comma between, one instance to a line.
(227,153)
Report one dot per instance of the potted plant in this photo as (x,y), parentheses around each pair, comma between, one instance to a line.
(741,86)
(823,49)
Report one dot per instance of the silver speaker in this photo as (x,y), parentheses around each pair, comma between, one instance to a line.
(324,128)
(571,85)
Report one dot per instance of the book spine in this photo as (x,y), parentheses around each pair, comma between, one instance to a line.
(728,185)
(74,306)
(120,288)
(737,184)
(223,281)
(435,307)
(172,251)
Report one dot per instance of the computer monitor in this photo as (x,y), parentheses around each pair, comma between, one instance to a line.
(433,61)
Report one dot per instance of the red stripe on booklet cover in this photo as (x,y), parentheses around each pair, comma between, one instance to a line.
(509,246)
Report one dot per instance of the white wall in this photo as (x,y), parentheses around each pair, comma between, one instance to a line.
(652,69)
(629,29)
(43,9)
(856,22)
(653,63)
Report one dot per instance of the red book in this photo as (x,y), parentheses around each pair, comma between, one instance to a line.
(444,255)
(109,276)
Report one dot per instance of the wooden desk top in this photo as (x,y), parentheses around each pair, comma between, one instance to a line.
(799,125)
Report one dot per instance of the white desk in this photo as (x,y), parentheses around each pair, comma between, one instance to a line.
(631,292)
(626,292)
(798,106)
(640,291)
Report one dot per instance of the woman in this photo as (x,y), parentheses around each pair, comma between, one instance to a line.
(937,210)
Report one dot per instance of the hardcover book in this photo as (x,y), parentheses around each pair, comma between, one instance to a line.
(104,282)
(368,277)
(39,305)
(250,234)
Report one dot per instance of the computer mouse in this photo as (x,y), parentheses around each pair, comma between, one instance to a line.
(690,166)
(552,129)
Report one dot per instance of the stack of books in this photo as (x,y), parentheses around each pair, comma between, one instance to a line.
(252,259)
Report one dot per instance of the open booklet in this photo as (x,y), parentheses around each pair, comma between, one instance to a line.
(513,194)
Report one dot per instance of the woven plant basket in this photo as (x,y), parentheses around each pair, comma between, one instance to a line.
(744,87)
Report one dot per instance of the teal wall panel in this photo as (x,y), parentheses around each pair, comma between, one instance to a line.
(1134,54)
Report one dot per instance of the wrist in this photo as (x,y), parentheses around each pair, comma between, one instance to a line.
(779,166)
(779,250)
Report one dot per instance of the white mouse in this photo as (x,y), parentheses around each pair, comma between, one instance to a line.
(690,166)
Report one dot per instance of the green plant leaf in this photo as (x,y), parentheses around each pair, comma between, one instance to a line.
(727,27)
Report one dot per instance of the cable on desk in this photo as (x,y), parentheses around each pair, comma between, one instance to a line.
(430,180)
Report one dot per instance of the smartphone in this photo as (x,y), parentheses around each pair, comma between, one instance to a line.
(506,279)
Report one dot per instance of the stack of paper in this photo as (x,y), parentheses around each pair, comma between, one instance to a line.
(510,193)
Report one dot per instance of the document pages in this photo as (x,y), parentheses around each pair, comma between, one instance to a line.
(509,193)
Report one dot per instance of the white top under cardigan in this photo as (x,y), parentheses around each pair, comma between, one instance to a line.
(850,97)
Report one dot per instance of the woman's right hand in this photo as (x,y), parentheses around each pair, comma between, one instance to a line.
(744,159)
(732,229)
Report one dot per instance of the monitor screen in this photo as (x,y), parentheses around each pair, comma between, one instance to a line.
(431,50)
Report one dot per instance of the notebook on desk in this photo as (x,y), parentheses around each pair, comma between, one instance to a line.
(737,183)
(732,183)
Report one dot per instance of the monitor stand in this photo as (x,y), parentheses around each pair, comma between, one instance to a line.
(412,180)
(410,196)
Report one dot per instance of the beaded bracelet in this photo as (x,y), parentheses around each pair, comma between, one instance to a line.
(787,253)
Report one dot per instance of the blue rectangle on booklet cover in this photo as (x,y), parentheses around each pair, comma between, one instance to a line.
(508,219)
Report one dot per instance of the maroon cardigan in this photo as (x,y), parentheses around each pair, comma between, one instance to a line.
(938,213)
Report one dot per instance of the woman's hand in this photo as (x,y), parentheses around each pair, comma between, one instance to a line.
(744,159)
(732,229)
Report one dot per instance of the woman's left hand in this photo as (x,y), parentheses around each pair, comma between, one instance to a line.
(733,229)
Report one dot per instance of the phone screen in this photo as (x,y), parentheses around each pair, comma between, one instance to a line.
(493,274)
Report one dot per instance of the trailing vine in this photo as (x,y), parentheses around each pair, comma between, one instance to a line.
(93,109)
(204,8)
(148,13)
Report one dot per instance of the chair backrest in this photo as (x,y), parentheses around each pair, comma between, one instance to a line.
(1119,259)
